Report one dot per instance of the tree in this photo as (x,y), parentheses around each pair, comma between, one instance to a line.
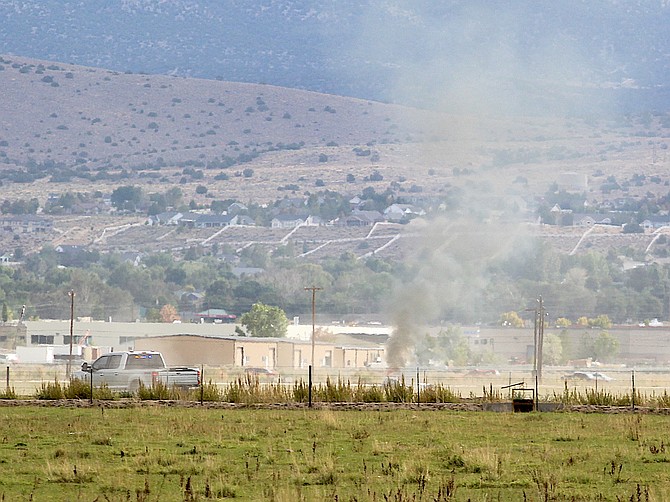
(5,312)
(454,346)
(511,319)
(563,322)
(602,321)
(552,349)
(168,313)
(153,315)
(605,347)
(265,321)
(219,294)
(582,321)
(126,197)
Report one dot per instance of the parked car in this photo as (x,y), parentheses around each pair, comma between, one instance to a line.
(601,376)
(483,372)
(130,369)
(263,374)
(587,375)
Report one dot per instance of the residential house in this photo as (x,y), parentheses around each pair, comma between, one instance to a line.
(287,221)
(402,212)
(359,218)
(68,249)
(355,202)
(216,316)
(314,221)
(656,221)
(165,218)
(245,220)
(561,216)
(588,220)
(188,219)
(214,221)
(189,303)
(25,223)
(237,208)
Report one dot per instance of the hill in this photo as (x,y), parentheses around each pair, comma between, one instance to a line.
(570,56)
(76,129)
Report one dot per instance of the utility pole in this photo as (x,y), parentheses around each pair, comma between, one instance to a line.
(541,314)
(538,342)
(69,363)
(313,289)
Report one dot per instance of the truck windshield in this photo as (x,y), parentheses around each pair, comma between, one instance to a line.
(144,361)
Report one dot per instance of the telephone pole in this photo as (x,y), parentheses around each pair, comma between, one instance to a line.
(538,342)
(313,289)
(69,363)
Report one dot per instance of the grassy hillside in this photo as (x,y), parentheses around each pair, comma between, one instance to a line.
(67,128)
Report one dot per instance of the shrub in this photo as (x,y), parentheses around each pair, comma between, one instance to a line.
(8,393)
(397,392)
(50,391)
(158,391)
(210,392)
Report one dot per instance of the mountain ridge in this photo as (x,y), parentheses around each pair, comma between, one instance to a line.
(373,50)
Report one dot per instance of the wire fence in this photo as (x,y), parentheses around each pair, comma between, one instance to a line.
(30,380)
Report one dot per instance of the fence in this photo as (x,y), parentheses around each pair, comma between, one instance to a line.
(26,380)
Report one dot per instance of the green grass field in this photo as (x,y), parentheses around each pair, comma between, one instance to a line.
(165,453)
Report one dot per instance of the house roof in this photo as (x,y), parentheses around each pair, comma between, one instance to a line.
(370,216)
(288,217)
(213,218)
(214,313)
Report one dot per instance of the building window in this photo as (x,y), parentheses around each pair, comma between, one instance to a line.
(76,339)
(126,339)
(41,339)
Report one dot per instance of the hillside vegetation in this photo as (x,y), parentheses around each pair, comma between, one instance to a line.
(71,137)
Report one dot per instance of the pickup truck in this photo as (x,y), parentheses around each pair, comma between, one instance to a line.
(129,369)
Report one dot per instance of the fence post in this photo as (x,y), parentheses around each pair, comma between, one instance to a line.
(91,400)
(8,379)
(633,395)
(309,392)
(202,383)
(418,388)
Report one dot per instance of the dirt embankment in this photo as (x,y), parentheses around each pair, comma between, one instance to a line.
(465,406)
